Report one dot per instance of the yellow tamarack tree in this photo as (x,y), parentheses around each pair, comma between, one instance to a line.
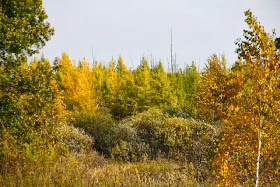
(176,88)
(65,74)
(248,152)
(160,87)
(192,80)
(76,83)
(179,89)
(120,90)
(84,92)
(142,77)
(97,79)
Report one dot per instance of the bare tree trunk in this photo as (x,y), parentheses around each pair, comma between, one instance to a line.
(171,52)
(258,160)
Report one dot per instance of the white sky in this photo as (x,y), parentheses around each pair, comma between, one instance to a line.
(133,28)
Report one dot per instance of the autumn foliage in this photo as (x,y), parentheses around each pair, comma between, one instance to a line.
(77,123)
(250,130)
(124,92)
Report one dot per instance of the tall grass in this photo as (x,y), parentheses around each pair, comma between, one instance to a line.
(91,170)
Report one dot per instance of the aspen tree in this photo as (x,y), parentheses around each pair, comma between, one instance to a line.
(248,153)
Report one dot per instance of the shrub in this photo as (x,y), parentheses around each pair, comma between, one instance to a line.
(165,136)
(128,146)
(98,125)
(44,163)
(200,148)
(76,139)
(174,111)
(153,134)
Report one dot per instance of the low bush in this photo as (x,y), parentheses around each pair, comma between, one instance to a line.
(48,163)
(76,139)
(152,135)
(128,145)
(174,111)
(99,126)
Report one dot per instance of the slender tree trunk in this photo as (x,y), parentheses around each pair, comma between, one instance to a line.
(258,160)
(213,111)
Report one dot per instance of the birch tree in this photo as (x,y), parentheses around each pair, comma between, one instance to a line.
(248,153)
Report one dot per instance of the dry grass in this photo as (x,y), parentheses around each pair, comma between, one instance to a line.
(152,173)
(93,170)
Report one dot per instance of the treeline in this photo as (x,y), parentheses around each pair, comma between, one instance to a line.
(126,92)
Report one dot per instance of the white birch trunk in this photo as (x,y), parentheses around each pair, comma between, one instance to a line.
(258,160)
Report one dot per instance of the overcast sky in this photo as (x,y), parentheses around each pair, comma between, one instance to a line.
(133,28)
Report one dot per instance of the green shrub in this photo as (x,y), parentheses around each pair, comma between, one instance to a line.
(76,139)
(30,101)
(174,111)
(153,134)
(201,146)
(99,126)
(162,136)
(128,146)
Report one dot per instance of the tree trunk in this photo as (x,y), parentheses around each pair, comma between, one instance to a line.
(258,160)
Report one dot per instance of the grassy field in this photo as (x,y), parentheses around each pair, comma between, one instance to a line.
(93,170)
